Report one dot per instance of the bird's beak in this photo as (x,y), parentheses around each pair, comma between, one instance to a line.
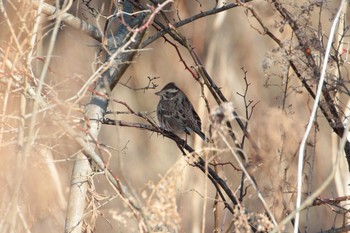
(157,93)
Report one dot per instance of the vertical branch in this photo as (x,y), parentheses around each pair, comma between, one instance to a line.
(115,66)
(77,195)
(312,117)
(119,51)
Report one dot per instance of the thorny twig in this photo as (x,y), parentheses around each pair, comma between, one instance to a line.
(188,20)
(247,103)
(248,115)
(182,144)
(150,85)
(327,107)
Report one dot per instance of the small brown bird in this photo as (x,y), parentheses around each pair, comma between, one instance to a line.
(175,112)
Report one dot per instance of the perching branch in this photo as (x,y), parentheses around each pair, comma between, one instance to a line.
(119,51)
(182,144)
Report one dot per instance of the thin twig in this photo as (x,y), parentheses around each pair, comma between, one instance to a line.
(188,20)
(312,118)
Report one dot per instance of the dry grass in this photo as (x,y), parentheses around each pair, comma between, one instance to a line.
(37,157)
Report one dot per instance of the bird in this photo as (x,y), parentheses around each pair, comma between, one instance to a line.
(175,112)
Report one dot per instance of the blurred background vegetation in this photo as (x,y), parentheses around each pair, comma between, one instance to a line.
(176,195)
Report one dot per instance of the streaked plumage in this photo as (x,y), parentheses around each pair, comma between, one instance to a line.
(175,112)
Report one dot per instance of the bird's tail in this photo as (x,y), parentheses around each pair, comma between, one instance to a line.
(202,135)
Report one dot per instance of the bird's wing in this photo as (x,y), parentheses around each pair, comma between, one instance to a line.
(172,119)
(190,115)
